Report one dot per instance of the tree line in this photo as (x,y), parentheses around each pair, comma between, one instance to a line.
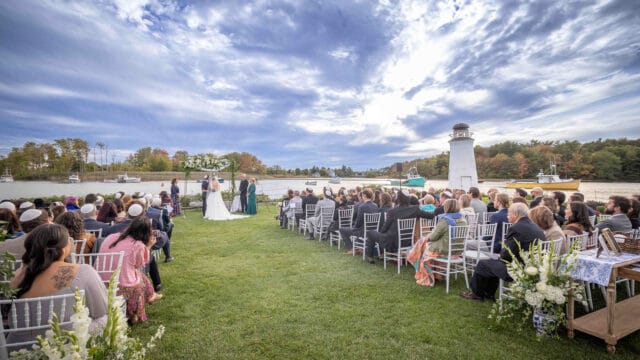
(609,160)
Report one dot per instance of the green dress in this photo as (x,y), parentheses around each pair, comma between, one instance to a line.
(252,207)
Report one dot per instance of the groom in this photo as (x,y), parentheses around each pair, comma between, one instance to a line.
(244,185)
(204,185)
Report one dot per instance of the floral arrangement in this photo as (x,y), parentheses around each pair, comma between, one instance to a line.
(540,284)
(80,343)
(206,163)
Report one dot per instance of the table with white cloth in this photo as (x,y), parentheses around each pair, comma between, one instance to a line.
(236,206)
(616,320)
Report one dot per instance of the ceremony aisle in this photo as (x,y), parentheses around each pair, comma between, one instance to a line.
(247,289)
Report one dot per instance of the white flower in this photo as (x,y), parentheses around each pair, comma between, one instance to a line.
(531,270)
(541,287)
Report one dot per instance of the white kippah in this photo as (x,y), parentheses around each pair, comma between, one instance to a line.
(118,195)
(8,205)
(406,192)
(148,197)
(26,204)
(30,215)
(448,194)
(143,201)
(135,210)
(99,200)
(156,201)
(87,208)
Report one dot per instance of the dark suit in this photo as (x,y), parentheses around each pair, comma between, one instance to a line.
(368,207)
(535,202)
(387,237)
(93,224)
(485,280)
(244,185)
(204,186)
(499,218)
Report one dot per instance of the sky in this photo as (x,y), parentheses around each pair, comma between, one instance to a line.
(302,83)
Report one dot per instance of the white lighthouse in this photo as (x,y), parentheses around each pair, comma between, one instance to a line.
(462,161)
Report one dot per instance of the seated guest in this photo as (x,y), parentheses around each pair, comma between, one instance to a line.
(135,240)
(619,221)
(436,244)
(634,213)
(314,222)
(520,193)
(429,203)
(577,220)
(385,204)
(29,220)
(501,201)
(73,222)
(56,209)
(44,273)
(485,280)
(284,208)
(387,237)
(552,205)
(10,223)
(90,198)
(90,218)
(367,207)
(167,226)
(24,206)
(71,203)
(491,193)
(294,203)
(576,196)
(99,202)
(542,216)
(108,213)
(520,200)
(479,207)
(443,197)
(560,198)
(121,208)
(6,204)
(536,195)
(464,203)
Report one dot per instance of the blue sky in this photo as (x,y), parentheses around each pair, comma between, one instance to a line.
(303,83)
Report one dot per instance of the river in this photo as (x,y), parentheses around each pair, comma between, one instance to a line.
(275,188)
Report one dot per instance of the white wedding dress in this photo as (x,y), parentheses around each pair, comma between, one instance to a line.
(216,209)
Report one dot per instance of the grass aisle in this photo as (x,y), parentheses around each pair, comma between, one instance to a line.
(247,289)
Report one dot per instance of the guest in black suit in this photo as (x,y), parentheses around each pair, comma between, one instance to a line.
(536,194)
(244,186)
(387,237)
(366,207)
(485,280)
(204,186)
(309,198)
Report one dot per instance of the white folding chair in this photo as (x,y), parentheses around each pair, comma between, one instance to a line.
(454,262)
(481,246)
(426,226)
(505,229)
(78,248)
(486,216)
(371,222)
(603,217)
(310,212)
(322,227)
(345,220)
(555,243)
(472,222)
(406,230)
(104,263)
(96,232)
(592,220)
(31,316)
(581,239)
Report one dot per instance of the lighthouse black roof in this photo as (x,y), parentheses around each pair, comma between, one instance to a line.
(460,126)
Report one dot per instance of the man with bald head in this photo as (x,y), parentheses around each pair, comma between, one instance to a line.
(485,280)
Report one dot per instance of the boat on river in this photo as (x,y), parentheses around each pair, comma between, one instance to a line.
(6,176)
(413,179)
(126,179)
(544,181)
(74,178)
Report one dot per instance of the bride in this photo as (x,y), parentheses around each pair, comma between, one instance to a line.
(216,209)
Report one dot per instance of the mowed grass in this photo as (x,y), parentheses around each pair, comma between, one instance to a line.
(245,289)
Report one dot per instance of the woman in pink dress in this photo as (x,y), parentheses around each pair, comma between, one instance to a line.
(134,286)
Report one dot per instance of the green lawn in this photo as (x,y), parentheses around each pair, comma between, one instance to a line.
(247,289)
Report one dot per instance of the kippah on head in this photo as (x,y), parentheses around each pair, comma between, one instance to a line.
(8,205)
(99,200)
(448,194)
(156,201)
(118,195)
(26,205)
(30,214)
(87,208)
(135,210)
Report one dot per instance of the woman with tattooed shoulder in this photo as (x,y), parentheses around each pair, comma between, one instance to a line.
(44,272)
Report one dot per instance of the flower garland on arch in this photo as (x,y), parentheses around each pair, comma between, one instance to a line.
(208,163)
